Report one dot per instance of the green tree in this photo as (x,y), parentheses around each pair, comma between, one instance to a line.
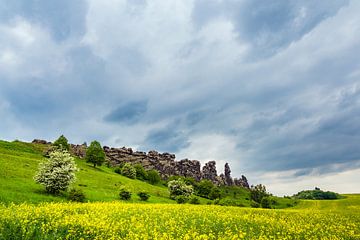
(62,143)
(95,154)
(153,176)
(57,173)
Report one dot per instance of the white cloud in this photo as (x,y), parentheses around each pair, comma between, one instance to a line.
(27,51)
(284,183)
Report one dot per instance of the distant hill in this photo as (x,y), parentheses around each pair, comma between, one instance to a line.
(317,194)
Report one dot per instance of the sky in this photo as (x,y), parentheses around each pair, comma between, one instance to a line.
(271,87)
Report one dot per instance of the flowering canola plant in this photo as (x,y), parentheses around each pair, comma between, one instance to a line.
(117,220)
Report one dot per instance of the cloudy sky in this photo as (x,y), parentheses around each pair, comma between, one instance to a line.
(272,87)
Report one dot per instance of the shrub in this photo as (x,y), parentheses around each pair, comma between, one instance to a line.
(125,194)
(153,176)
(181,199)
(265,202)
(179,188)
(204,187)
(214,193)
(140,172)
(95,154)
(62,143)
(194,200)
(254,204)
(258,192)
(128,171)
(144,196)
(118,170)
(76,195)
(57,173)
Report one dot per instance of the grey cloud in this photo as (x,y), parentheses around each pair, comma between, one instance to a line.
(268,26)
(130,112)
(168,139)
(62,18)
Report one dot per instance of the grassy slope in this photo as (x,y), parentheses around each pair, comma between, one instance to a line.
(350,203)
(19,162)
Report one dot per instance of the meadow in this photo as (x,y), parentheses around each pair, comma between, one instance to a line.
(337,219)
(27,212)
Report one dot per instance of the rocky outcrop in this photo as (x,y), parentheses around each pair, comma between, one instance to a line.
(164,163)
(227,176)
(40,141)
(241,182)
(209,171)
(78,150)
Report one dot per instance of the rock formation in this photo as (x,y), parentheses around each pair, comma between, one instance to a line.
(164,163)
(228,178)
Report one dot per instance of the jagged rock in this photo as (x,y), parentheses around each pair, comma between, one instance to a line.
(209,172)
(242,182)
(78,150)
(40,141)
(228,178)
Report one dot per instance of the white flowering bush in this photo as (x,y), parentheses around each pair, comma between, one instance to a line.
(57,173)
(179,188)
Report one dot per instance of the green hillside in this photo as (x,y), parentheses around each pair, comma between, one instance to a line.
(19,162)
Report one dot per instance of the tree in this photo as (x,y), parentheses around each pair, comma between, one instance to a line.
(62,143)
(258,192)
(153,176)
(179,188)
(95,154)
(57,173)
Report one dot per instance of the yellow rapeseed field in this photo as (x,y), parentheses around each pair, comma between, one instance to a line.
(116,220)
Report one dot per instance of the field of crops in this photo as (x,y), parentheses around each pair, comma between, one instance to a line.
(115,220)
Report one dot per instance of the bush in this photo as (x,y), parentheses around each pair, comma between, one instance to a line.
(153,176)
(62,143)
(144,196)
(265,202)
(179,188)
(125,194)
(128,171)
(258,192)
(254,204)
(140,172)
(57,173)
(118,170)
(204,187)
(76,195)
(95,154)
(194,200)
(181,199)
(215,193)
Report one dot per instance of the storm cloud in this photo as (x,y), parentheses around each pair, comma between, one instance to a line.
(270,87)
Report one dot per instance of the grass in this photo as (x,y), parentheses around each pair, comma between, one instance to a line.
(19,162)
